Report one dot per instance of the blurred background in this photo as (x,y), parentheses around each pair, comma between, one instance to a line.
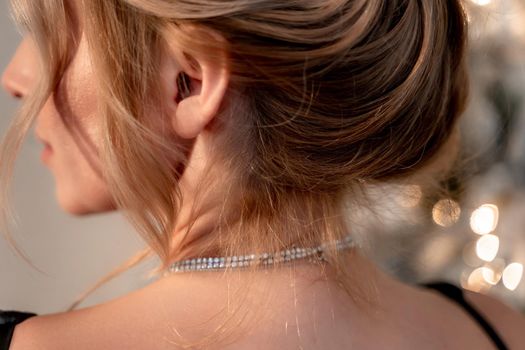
(473,236)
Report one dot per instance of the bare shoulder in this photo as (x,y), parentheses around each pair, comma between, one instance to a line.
(149,318)
(508,322)
(184,310)
(170,313)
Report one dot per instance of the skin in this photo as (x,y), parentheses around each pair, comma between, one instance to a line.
(306,309)
(67,126)
(79,187)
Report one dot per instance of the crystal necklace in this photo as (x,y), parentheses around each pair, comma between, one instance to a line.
(265,259)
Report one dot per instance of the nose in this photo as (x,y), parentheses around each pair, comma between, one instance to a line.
(20,75)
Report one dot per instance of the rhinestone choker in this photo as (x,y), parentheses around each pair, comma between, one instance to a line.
(265,259)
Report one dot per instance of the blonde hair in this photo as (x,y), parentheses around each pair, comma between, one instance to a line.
(353,92)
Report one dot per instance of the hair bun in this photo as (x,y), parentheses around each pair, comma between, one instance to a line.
(368,90)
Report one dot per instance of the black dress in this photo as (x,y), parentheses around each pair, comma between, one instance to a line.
(9,319)
(456,294)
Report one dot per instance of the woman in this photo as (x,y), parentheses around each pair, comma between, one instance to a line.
(237,130)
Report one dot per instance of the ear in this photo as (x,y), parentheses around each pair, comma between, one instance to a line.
(205,77)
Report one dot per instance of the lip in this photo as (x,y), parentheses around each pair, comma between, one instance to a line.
(47,151)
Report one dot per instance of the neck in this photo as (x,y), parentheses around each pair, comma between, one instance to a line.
(219,213)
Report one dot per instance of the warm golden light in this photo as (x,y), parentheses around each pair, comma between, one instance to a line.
(484,219)
(476,282)
(487,247)
(490,276)
(512,275)
(481,2)
(446,212)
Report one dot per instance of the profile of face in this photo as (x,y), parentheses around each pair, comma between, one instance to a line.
(69,124)
(67,127)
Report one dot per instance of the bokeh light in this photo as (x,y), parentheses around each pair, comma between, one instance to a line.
(475,281)
(446,212)
(481,2)
(490,276)
(487,247)
(484,219)
(512,275)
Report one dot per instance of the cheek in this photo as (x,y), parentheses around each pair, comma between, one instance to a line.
(70,123)
(80,186)
(78,99)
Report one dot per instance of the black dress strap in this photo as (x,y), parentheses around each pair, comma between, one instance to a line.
(456,294)
(8,321)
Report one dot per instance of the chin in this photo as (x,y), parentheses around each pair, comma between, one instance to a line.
(79,204)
